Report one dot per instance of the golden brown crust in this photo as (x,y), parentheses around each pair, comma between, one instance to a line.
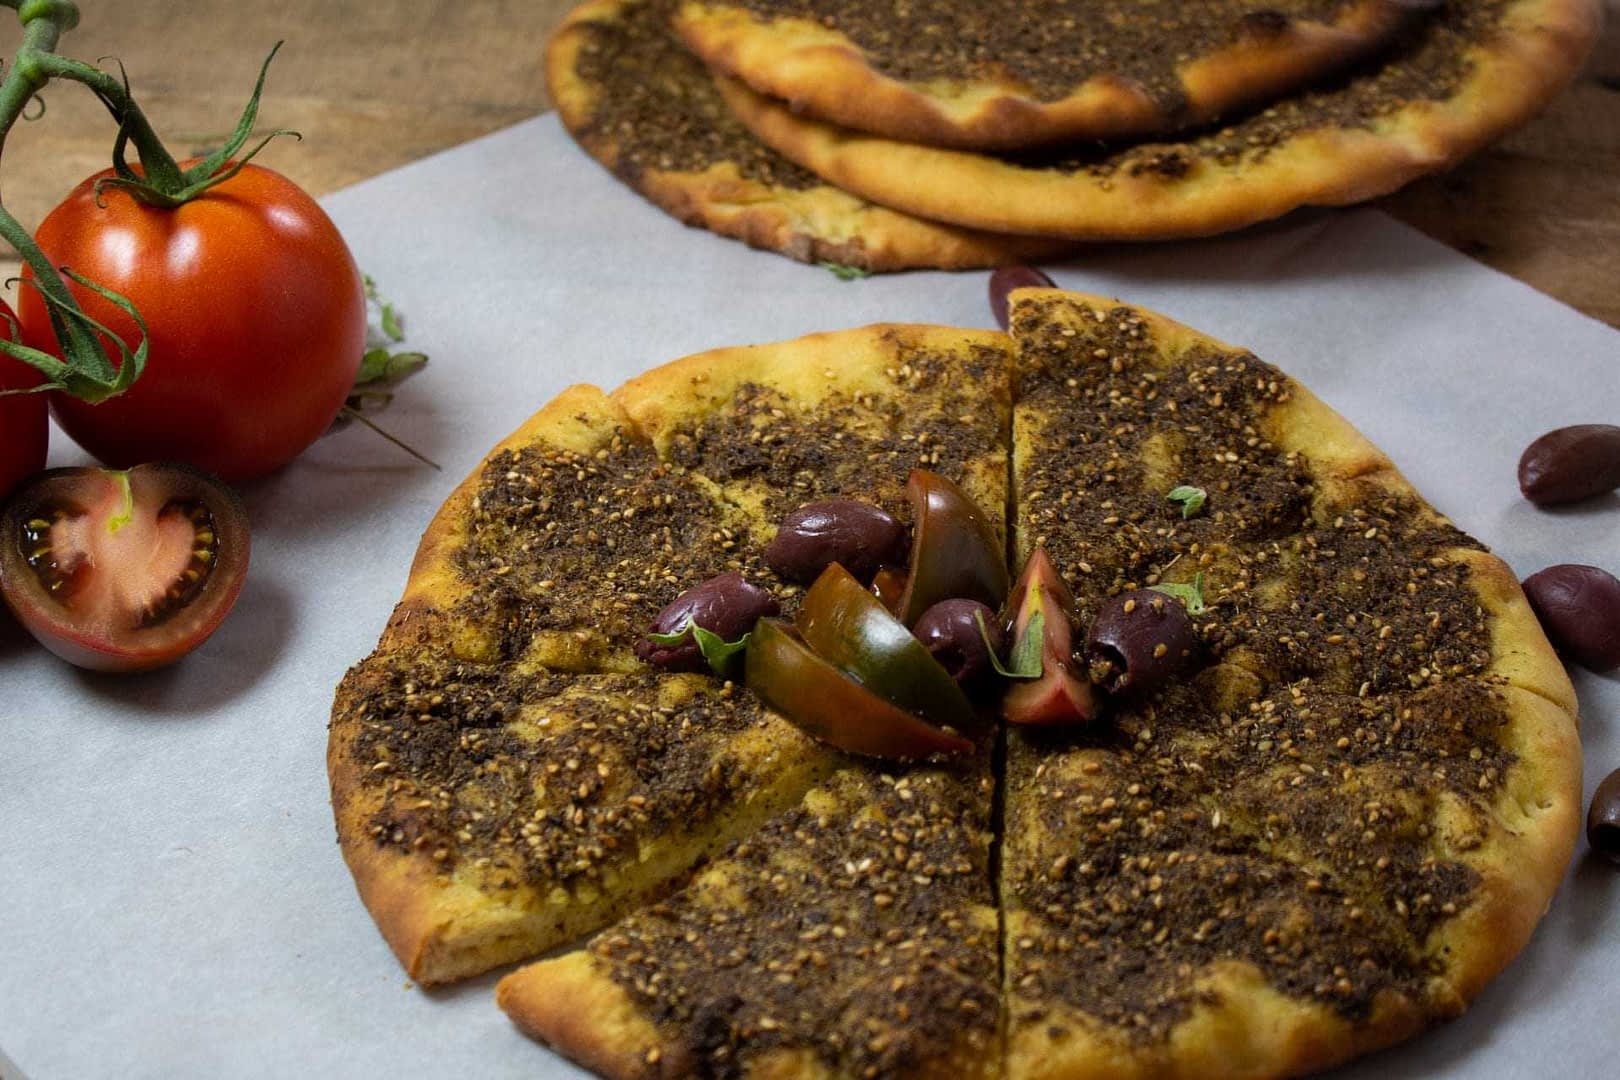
(810,222)
(823,75)
(1529,58)
(1518,849)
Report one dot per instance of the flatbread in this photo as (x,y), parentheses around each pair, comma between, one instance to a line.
(1329,835)
(1349,816)
(506,775)
(854,936)
(1464,76)
(975,76)
(647,110)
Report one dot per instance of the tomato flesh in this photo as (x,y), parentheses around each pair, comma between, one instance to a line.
(123,571)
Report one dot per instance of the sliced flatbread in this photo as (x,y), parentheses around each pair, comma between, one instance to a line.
(853,937)
(976,76)
(646,109)
(1464,76)
(1351,815)
(507,776)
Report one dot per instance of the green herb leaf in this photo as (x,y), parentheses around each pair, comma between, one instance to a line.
(380,365)
(717,652)
(1191,499)
(1190,595)
(845,272)
(1025,659)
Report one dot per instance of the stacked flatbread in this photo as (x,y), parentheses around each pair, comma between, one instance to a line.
(953,134)
(1328,835)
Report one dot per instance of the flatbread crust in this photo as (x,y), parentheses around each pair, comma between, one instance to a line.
(1465,76)
(855,936)
(506,775)
(1107,70)
(1331,836)
(643,107)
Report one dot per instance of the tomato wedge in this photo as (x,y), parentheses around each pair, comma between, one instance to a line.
(955,554)
(848,626)
(825,702)
(1057,695)
(123,570)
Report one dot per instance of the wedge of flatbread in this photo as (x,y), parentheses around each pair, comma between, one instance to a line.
(854,936)
(506,774)
(1351,813)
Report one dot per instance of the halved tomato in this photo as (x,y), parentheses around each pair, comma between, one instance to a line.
(118,570)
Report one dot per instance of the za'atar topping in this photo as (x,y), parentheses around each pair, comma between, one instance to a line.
(706,626)
(859,536)
(1008,278)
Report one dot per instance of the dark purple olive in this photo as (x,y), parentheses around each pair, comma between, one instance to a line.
(1579,608)
(950,630)
(1140,641)
(1570,464)
(1008,278)
(1603,818)
(857,535)
(726,605)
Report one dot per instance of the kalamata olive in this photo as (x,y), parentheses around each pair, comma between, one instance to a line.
(1139,641)
(1570,464)
(857,535)
(1579,608)
(1008,278)
(950,630)
(1603,818)
(726,605)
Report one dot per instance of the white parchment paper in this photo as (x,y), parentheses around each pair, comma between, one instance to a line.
(172,901)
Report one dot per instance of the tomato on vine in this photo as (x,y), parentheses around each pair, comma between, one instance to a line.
(254,312)
(23,427)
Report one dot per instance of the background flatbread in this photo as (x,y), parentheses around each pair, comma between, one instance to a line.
(979,76)
(1464,76)
(643,107)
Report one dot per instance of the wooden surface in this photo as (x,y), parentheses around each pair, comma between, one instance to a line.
(375,85)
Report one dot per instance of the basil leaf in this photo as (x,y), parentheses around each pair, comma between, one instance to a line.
(845,273)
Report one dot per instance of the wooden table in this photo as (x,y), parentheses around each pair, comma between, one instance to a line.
(374,85)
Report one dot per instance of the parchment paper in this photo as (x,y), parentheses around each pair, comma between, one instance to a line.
(172,902)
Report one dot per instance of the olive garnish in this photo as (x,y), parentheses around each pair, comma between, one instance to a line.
(1140,640)
(726,606)
(1603,819)
(856,535)
(950,632)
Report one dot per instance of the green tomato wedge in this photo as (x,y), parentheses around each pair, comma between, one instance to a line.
(823,701)
(849,627)
(955,554)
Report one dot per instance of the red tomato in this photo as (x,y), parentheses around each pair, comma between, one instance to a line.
(23,427)
(255,313)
